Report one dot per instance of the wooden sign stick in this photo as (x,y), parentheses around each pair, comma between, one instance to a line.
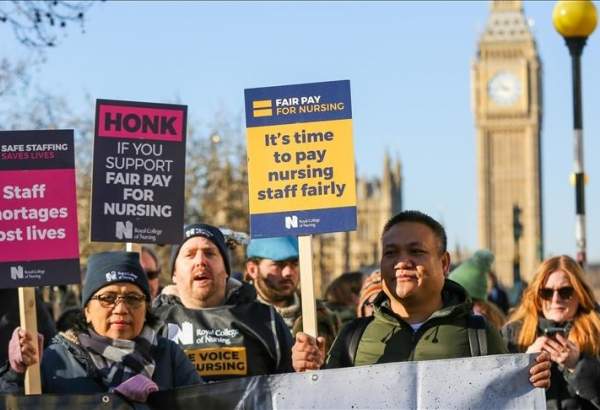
(28,315)
(133,247)
(307,286)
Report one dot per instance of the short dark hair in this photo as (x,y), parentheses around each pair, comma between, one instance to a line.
(422,218)
(150,251)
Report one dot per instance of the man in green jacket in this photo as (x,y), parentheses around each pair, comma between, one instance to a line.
(420,315)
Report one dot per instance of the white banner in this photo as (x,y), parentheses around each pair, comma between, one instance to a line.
(498,382)
(489,382)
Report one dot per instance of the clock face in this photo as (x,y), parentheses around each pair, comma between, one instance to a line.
(504,88)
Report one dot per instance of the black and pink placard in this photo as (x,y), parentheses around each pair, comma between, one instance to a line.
(39,242)
(139,172)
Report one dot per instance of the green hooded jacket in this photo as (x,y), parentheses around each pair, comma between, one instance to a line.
(388,338)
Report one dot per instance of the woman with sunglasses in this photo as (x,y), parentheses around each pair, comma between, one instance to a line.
(114,347)
(558,315)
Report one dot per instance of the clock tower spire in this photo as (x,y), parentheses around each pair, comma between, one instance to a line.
(506,96)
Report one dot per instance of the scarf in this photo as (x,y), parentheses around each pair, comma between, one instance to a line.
(289,313)
(117,360)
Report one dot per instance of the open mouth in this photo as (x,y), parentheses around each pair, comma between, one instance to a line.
(202,278)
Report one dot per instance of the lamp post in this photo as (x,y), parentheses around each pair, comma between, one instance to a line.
(575,20)
(517,289)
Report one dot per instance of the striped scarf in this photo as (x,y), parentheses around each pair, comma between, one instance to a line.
(117,359)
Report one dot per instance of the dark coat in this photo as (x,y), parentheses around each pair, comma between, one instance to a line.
(575,390)
(67,368)
(242,337)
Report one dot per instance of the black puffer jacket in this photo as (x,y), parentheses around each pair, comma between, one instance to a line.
(575,390)
(242,337)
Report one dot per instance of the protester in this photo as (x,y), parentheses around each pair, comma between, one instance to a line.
(217,319)
(342,295)
(558,315)
(369,292)
(151,265)
(419,316)
(115,346)
(497,295)
(472,275)
(272,267)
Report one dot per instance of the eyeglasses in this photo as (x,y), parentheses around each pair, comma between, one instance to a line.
(564,293)
(109,300)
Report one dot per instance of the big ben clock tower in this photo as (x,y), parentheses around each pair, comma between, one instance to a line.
(507,90)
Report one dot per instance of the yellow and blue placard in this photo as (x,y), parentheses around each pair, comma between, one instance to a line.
(301,173)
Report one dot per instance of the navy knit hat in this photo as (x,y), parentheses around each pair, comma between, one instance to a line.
(106,268)
(209,232)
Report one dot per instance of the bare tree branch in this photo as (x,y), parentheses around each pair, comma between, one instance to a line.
(38,23)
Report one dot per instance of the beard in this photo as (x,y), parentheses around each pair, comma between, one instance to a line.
(283,291)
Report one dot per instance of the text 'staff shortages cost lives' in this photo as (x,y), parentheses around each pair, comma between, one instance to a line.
(300,159)
(139,167)
(39,242)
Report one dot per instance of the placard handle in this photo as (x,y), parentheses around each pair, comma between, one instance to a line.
(307,286)
(28,314)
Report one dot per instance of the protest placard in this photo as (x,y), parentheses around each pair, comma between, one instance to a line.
(39,242)
(301,174)
(139,172)
(300,159)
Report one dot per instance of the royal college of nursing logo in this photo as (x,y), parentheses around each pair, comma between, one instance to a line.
(16,272)
(291,222)
(124,230)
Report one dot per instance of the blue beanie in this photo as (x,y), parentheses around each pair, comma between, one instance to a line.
(277,249)
(106,268)
(206,231)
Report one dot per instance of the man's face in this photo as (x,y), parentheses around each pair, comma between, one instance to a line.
(200,274)
(275,280)
(150,267)
(412,267)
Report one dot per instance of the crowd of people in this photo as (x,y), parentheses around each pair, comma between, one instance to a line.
(132,337)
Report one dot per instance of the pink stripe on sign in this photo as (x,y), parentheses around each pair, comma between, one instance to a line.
(120,121)
(38,215)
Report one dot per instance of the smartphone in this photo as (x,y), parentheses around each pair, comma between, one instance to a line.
(551,331)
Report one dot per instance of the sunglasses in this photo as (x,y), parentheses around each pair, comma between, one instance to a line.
(109,300)
(152,274)
(564,293)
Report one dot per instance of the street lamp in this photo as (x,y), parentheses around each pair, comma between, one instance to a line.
(575,20)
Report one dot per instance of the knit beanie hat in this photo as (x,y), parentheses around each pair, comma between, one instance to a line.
(209,232)
(281,248)
(472,273)
(106,268)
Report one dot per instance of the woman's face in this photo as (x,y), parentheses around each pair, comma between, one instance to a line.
(120,318)
(559,301)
